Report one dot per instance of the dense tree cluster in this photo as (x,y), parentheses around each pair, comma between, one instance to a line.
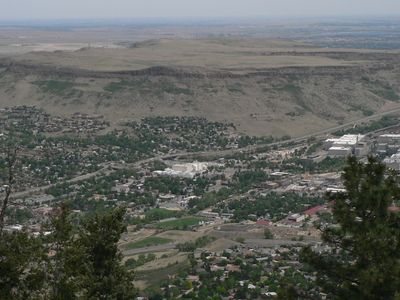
(71,262)
(273,206)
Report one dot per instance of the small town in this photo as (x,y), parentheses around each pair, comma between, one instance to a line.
(199,150)
(212,213)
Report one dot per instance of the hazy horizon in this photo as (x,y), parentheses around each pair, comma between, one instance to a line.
(70,10)
(194,21)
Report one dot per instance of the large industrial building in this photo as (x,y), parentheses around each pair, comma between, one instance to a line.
(189,170)
(347,145)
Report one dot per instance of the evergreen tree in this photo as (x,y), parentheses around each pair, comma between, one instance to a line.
(70,263)
(66,267)
(363,260)
(22,274)
(106,278)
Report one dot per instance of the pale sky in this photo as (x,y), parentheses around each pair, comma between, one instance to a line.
(89,9)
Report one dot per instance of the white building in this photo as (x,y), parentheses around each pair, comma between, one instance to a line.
(393,162)
(339,151)
(188,170)
(296,218)
(335,190)
(344,141)
(346,145)
(389,139)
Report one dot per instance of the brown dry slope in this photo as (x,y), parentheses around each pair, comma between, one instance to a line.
(264,87)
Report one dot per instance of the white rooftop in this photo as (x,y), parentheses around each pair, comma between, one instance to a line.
(347,139)
(340,148)
(188,170)
(397,136)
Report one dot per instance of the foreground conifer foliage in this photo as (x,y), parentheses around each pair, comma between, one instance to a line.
(363,260)
(73,262)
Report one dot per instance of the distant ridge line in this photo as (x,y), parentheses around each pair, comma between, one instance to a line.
(27,68)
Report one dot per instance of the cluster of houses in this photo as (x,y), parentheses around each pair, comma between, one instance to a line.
(236,261)
(38,121)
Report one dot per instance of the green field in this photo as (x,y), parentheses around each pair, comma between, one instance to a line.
(179,224)
(147,242)
(157,214)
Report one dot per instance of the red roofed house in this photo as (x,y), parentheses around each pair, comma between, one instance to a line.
(263,222)
(312,211)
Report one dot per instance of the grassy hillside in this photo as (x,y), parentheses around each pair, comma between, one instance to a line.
(262,87)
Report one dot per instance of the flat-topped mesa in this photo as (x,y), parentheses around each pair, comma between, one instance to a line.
(27,68)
